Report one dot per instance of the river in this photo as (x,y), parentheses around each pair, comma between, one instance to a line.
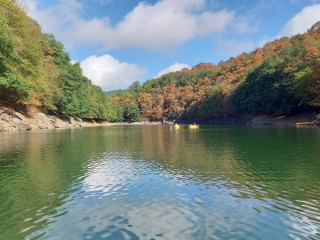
(153,182)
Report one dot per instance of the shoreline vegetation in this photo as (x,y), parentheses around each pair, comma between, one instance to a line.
(40,88)
(12,121)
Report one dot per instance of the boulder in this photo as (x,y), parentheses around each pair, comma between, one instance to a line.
(22,127)
(71,120)
(5,117)
(61,124)
(33,127)
(41,117)
(20,116)
(16,119)
(43,121)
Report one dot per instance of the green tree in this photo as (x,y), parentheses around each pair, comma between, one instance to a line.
(61,58)
(12,86)
(315,26)
(135,87)
(132,113)
(267,89)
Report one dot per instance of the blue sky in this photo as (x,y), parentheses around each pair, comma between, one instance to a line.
(122,41)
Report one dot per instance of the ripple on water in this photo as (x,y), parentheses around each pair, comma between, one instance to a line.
(153,183)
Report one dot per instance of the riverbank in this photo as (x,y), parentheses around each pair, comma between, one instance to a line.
(289,119)
(13,121)
(254,120)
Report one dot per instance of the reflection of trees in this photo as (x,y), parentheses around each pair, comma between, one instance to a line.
(275,165)
(270,158)
(282,164)
(184,151)
(39,170)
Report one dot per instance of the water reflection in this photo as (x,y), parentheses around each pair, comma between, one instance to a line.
(153,182)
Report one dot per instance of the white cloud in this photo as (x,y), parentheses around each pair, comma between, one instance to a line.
(302,21)
(54,17)
(110,73)
(232,48)
(245,25)
(160,26)
(264,40)
(173,68)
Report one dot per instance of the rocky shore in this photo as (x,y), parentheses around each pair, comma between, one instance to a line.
(12,121)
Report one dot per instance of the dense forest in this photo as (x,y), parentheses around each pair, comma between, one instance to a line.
(35,71)
(283,77)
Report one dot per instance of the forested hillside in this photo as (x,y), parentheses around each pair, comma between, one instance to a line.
(35,72)
(280,78)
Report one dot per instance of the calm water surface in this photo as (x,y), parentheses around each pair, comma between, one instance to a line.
(153,182)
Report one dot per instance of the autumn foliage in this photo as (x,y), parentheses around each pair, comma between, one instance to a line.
(282,77)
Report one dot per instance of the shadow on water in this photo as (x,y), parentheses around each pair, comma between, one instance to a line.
(153,182)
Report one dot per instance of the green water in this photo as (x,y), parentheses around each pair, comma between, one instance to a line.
(153,182)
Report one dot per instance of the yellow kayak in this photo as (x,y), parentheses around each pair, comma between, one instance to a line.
(305,123)
(193,126)
(176,126)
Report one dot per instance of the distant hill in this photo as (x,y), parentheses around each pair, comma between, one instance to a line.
(280,78)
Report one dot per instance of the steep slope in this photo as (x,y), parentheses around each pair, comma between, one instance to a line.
(35,71)
(282,77)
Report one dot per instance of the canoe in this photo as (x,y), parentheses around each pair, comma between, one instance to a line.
(193,126)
